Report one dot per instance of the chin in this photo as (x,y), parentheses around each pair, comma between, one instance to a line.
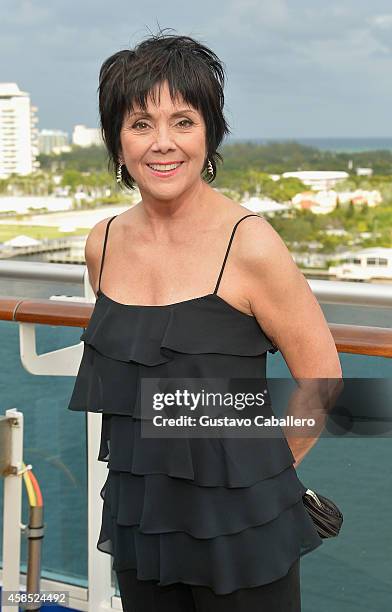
(170,194)
(166,192)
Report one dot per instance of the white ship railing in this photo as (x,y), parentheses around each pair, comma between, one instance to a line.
(326,291)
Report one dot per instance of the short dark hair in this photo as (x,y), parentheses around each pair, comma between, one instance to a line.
(130,76)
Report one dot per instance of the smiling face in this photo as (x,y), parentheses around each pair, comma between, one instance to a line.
(164,148)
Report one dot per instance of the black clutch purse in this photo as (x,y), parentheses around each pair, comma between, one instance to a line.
(325,515)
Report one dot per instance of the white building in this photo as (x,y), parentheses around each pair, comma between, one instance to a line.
(361,196)
(365,265)
(364,171)
(263,205)
(318,179)
(18,134)
(52,141)
(322,202)
(86,137)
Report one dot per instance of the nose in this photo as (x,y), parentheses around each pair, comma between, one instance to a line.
(163,141)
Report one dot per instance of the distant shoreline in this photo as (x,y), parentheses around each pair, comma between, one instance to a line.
(337,145)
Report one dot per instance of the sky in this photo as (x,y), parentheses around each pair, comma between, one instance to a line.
(294,68)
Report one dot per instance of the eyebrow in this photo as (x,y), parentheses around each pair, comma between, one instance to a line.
(176,114)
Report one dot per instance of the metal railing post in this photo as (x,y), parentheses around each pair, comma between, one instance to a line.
(12,510)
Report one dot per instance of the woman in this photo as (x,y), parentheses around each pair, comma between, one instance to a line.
(191,287)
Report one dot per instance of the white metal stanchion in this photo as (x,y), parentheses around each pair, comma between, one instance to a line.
(12,507)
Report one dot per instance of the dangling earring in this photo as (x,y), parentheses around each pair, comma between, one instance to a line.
(210,169)
(119,172)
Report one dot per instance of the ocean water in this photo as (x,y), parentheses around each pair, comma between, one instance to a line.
(339,144)
(352,573)
(348,145)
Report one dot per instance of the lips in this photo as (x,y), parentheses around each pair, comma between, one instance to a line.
(163,166)
(163,173)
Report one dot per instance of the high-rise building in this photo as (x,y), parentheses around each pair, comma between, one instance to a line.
(52,141)
(18,132)
(85,137)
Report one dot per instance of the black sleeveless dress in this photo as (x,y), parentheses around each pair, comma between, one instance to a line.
(224,513)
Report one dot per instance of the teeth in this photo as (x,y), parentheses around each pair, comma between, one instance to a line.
(163,167)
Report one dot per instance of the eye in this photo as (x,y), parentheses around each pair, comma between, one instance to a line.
(143,123)
(188,121)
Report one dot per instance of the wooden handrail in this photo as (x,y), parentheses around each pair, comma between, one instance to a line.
(362,339)
(45,312)
(356,339)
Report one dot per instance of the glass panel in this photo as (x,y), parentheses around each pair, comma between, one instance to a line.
(357,315)
(55,445)
(352,571)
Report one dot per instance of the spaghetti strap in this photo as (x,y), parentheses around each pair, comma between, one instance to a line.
(228,248)
(103,251)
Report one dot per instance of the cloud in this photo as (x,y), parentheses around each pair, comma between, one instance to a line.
(383,22)
(292,64)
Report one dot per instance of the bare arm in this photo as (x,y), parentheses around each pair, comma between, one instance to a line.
(284,304)
(288,312)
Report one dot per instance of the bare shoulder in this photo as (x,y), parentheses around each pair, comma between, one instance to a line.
(93,250)
(94,241)
(266,261)
(257,241)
